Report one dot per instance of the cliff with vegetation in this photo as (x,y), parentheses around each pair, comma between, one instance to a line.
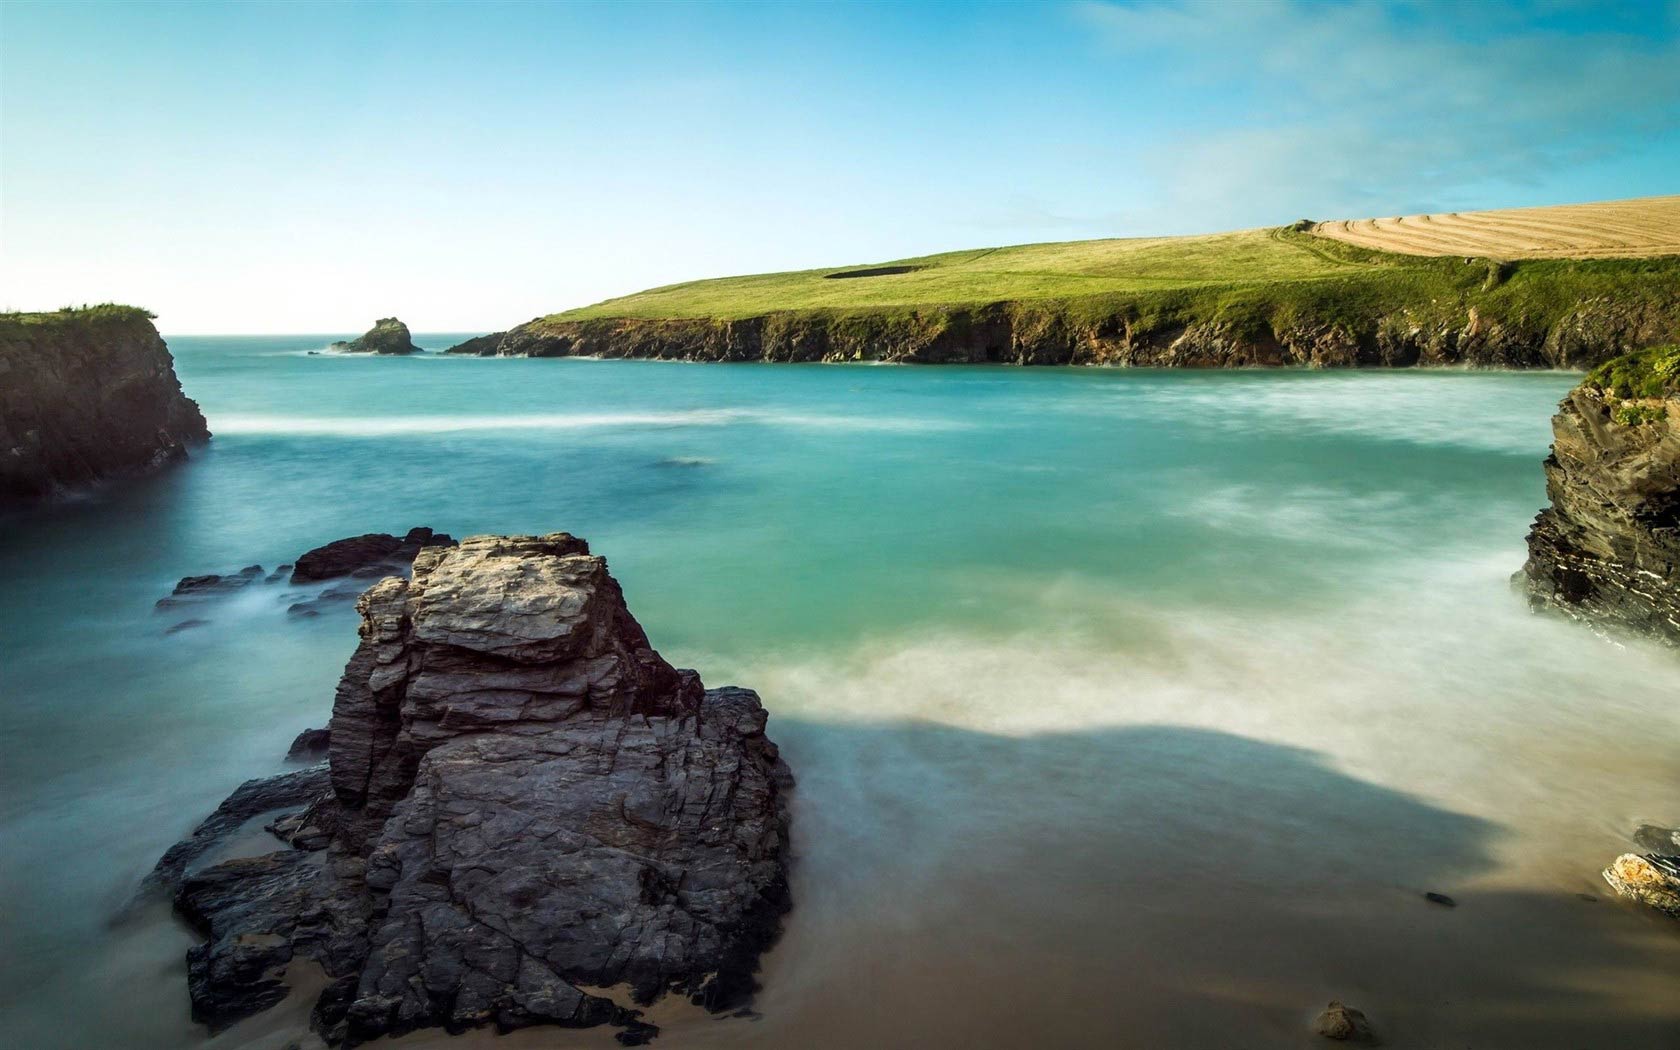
(1607,550)
(1256,297)
(87,395)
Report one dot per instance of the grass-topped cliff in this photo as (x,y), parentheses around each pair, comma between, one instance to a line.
(87,394)
(1268,296)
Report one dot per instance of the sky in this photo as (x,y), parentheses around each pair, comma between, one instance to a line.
(298,167)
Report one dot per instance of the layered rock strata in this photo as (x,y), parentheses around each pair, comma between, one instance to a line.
(1031,333)
(529,808)
(86,396)
(1607,550)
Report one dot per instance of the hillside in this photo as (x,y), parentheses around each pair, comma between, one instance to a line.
(1604,230)
(1252,297)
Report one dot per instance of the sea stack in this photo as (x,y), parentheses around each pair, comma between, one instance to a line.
(387,336)
(528,809)
(1607,550)
(87,395)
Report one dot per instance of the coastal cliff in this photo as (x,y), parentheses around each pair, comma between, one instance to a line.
(1257,298)
(527,817)
(87,395)
(1607,550)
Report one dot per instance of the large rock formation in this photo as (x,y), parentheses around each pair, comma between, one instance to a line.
(387,336)
(87,395)
(529,808)
(1607,550)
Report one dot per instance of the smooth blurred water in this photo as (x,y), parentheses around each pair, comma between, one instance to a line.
(1130,708)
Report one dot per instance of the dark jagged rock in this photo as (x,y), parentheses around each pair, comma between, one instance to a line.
(1607,550)
(527,804)
(194,589)
(311,743)
(387,336)
(374,554)
(1657,839)
(254,797)
(1031,332)
(85,396)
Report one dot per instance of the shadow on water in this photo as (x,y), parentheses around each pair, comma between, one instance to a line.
(1157,886)
(1149,886)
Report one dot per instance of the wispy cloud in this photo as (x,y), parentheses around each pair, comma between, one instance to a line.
(1367,108)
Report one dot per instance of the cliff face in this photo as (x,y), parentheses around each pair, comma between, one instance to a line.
(1052,334)
(87,395)
(387,336)
(1607,550)
(527,805)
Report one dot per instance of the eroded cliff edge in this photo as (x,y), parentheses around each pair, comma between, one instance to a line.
(87,395)
(1410,313)
(1607,550)
(532,818)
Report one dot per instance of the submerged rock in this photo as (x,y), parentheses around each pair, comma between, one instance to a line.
(1343,1024)
(371,555)
(1652,879)
(1657,839)
(193,589)
(311,743)
(526,803)
(1607,551)
(387,336)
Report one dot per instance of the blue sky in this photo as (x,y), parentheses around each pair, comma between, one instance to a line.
(309,167)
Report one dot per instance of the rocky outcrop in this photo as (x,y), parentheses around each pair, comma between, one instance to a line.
(1607,550)
(1054,333)
(85,396)
(387,336)
(1344,1024)
(371,555)
(529,808)
(1651,879)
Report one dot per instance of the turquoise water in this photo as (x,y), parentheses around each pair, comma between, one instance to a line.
(1129,708)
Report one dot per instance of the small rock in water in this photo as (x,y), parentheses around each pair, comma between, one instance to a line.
(1652,880)
(372,554)
(193,589)
(1441,899)
(1344,1024)
(1657,839)
(186,625)
(310,744)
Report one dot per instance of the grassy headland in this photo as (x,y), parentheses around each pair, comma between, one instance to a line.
(1267,296)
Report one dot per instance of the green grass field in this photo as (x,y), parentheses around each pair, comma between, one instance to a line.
(1065,270)
(1226,276)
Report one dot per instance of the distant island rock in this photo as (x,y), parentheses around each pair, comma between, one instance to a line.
(387,336)
(1607,550)
(87,395)
(527,817)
